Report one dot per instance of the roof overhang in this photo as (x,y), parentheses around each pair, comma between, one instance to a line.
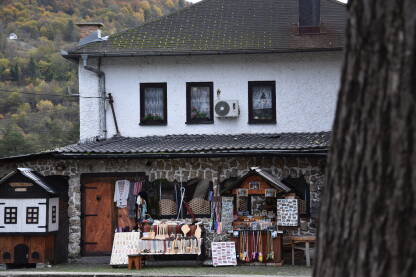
(76,55)
(243,153)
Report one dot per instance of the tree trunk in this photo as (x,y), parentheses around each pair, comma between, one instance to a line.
(368,212)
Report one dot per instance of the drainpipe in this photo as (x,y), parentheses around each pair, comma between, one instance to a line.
(101,91)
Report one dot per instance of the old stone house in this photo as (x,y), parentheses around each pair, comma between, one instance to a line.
(204,93)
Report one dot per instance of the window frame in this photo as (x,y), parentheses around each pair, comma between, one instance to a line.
(251,85)
(148,122)
(189,86)
(54,214)
(35,211)
(7,219)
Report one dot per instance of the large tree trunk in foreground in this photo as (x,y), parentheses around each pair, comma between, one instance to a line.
(368,212)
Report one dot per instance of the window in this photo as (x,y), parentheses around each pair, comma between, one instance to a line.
(199,103)
(153,104)
(262,102)
(53,214)
(32,215)
(10,215)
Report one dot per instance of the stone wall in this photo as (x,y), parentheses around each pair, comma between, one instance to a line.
(183,169)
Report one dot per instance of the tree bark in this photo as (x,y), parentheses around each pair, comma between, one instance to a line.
(368,211)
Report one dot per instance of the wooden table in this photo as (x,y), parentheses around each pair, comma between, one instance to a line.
(302,239)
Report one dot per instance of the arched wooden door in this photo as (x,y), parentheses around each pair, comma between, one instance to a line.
(97,218)
(21,254)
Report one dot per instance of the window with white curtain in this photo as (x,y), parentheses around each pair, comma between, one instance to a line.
(199,102)
(153,106)
(262,102)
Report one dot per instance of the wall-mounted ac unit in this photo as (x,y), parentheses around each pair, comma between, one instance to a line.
(227,108)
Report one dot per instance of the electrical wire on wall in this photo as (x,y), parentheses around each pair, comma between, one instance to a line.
(46,94)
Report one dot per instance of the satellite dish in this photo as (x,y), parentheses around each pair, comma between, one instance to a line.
(222,108)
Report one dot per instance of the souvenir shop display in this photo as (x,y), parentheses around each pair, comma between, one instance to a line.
(287,212)
(223,253)
(171,238)
(137,233)
(255,209)
(227,213)
(255,230)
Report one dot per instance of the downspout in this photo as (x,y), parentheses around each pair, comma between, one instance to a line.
(102,93)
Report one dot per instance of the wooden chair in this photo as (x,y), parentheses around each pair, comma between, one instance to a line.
(302,243)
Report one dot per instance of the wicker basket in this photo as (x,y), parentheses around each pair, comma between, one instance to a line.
(167,207)
(199,206)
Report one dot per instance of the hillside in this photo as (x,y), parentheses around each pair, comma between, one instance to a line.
(37,111)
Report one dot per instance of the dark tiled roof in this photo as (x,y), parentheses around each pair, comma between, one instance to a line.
(32,175)
(226,26)
(203,143)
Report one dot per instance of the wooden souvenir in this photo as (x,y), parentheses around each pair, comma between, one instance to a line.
(29,207)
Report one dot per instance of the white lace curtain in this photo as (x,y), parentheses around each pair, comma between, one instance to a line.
(200,102)
(153,99)
(262,98)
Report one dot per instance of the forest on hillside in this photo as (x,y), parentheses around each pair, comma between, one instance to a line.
(38,109)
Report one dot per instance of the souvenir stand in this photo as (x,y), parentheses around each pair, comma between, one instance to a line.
(29,218)
(171,234)
(257,214)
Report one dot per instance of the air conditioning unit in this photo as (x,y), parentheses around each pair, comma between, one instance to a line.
(227,108)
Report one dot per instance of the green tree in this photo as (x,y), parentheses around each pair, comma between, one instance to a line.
(15,73)
(13,141)
(69,31)
(32,69)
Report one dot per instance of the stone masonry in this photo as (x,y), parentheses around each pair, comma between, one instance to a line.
(181,169)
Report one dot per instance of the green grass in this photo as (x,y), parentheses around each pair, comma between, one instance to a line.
(286,270)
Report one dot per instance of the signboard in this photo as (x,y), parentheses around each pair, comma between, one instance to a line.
(287,212)
(124,244)
(223,253)
(227,213)
(20,185)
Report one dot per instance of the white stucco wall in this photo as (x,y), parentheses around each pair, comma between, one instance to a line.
(88,104)
(306,91)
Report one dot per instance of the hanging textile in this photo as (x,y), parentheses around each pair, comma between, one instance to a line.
(262,102)
(200,103)
(131,203)
(153,98)
(137,187)
(121,193)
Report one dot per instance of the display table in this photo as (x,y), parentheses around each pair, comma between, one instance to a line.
(302,243)
(124,244)
(184,246)
(154,247)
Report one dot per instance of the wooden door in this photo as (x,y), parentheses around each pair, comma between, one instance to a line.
(21,254)
(97,216)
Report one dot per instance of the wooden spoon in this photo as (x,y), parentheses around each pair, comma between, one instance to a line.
(185,229)
(198,232)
